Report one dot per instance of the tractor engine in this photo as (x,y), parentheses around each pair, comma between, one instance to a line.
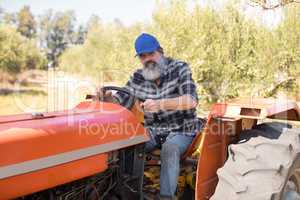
(122,180)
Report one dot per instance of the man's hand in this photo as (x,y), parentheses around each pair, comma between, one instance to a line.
(151,105)
(107,96)
(183,102)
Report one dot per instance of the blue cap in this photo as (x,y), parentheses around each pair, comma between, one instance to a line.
(146,43)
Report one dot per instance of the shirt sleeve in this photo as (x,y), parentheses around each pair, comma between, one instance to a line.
(187,85)
(124,99)
(132,83)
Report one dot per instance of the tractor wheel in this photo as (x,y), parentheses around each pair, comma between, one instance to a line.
(262,168)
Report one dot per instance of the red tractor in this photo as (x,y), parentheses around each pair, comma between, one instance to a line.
(96,151)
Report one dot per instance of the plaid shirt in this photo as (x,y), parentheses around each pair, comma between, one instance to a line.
(175,81)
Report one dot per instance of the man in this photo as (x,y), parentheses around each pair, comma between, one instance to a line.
(168,92)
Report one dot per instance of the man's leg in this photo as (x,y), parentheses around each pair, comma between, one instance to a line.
(151,145)
(171,152)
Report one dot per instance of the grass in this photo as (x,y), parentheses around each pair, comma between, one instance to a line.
(43,91)
(31,99)
(22,102)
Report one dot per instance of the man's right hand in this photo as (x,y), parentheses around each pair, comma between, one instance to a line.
(105,96)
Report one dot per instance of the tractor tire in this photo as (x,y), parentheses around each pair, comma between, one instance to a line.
(262,168)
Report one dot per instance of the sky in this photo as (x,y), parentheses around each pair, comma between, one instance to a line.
(129,11)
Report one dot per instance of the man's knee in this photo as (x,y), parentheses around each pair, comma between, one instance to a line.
(170,152)
(150,146)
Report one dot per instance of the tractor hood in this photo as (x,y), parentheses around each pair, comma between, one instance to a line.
(47,146)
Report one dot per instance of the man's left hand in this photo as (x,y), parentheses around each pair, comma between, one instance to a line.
(151,105)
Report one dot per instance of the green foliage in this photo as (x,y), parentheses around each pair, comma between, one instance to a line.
(50,35)
(107,52)
(288,44)
(9,18)
(26,23)
(230,55)
(18,53)
(58,33)
(55,29)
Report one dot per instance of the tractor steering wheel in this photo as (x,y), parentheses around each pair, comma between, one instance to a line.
(128,104)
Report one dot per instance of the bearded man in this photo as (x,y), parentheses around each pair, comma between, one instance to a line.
(168,92)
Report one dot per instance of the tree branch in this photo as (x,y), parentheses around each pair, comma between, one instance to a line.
(266,6)
(271,91)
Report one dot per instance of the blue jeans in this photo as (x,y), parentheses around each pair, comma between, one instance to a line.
(171,151)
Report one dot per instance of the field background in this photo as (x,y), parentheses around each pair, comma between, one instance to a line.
(49,62)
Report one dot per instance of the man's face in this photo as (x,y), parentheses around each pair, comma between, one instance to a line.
(152,63)
(152,56)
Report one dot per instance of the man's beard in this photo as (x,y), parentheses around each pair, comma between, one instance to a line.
(152,70)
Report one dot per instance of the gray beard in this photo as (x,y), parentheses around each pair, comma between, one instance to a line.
(152,71)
